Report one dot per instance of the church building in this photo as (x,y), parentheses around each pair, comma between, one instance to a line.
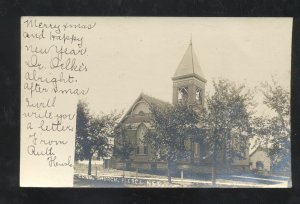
(188,86)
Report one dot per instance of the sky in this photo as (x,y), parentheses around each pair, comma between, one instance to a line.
(128,55)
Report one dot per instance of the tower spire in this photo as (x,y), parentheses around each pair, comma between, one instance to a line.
(189,65)
(188,80)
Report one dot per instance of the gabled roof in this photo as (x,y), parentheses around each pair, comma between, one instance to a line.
(255,149)
(148,99)
(154,101)
(189,66)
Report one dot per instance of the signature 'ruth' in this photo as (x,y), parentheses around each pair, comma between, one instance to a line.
(31,150)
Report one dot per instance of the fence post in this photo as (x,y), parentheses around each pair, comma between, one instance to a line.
(136,172)
(181,174)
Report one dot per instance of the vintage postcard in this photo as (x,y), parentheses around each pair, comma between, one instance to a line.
(155,102)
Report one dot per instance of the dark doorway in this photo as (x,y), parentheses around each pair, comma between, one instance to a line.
(259,165)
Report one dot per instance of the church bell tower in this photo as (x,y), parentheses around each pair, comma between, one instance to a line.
(188,80)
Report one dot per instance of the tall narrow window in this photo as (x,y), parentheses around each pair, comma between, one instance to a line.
(141,146)
(196,150)
(199,95)
(145,149)
(204,151)
(182,94)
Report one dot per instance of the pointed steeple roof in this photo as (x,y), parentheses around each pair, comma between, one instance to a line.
(189,66)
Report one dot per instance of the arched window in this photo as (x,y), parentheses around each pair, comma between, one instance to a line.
(141,113)
(141,147)
(199,95)
(259,165)
(183,94)
(140,107)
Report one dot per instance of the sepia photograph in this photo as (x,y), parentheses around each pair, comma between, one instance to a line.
(189,102)
(143,102)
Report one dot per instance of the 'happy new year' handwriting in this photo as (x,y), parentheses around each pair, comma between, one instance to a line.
(54,56)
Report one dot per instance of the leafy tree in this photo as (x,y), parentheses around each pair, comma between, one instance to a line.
(171,126)
(82,120)
(93,133)
(227,120)
(123,147)
(276,133)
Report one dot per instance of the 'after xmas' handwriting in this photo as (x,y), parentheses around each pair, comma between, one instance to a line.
(54,55)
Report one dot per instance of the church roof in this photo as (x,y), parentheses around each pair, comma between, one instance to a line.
(154,101)
(189,66)
(150,100)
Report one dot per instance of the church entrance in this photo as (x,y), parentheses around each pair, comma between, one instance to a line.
(106,164)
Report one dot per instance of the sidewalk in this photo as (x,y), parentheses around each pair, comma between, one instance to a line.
(238,182)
